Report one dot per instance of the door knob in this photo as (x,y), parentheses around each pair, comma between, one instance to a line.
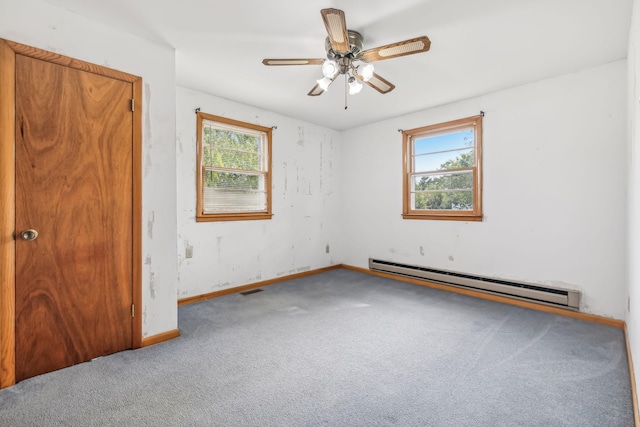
(29,234)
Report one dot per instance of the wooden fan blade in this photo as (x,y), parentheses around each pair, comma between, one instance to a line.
(313,61)
(394,50)
(317,90)
(336,25)
(378,83)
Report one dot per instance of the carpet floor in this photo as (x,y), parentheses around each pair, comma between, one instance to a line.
(344,348)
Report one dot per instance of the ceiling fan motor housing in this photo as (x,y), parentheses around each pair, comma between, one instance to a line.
(355,46)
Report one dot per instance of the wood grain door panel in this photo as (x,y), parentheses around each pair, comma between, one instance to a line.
(74,182)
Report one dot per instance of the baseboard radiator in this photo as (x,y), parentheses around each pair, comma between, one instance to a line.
(558,297)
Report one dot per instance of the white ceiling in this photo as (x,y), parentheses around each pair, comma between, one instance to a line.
(477,47)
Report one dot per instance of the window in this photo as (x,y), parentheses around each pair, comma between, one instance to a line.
(442,171)
(234,170)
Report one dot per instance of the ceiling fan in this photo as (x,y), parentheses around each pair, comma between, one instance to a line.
(346,57)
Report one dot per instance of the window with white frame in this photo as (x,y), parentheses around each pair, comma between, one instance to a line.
(442,168)
(234,172)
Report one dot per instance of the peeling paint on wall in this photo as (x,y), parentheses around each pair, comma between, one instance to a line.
(152,285)
(303,183)
(301,136)
(150,222)
(284,167)
(144,318)
(188,251)
(147,260)
(421,251)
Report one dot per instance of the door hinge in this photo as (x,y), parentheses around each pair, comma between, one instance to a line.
(133,310)
(133,105)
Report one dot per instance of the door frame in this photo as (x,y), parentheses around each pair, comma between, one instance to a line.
(8,52)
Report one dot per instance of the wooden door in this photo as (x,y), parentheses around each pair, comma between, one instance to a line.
(74,186)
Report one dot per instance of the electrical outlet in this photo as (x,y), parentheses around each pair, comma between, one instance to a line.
(188,253)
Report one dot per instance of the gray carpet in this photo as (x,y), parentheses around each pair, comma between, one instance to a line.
(346,349)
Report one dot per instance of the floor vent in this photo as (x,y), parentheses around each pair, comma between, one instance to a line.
(565,298)
(252,291)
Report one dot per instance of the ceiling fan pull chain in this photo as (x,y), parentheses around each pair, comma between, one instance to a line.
(346,89)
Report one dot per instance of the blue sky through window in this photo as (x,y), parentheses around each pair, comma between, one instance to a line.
(448,141)
(430,153)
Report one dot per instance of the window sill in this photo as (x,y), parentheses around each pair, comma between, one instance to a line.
(233,217)
(444,217)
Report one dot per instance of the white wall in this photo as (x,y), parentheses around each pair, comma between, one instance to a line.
(39,24)
(633,61)
(554,190)
(304,231)
(554,184)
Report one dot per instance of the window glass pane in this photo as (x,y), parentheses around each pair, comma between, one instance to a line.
(437,182)
(443,200)
(216,179)
(231,149)
(442,161)
(448,141)
(230,139)
(232,159)
(234,192)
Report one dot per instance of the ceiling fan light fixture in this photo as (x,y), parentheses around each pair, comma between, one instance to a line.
(324,83)
(329,68)
(354,86)
(366,71)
